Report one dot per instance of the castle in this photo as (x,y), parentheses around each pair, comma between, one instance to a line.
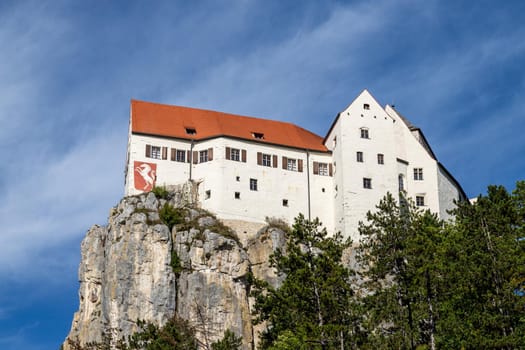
(248,169)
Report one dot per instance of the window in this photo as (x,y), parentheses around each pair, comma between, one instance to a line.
(335,142)
(253,184)
(420,201)
(203,156)
(366,106)
(291,164)
(359,156)
(237,178)
(235,154)
(180,156)
(380,158)
(208,194)
(266,159)
(367,182)
(401,181)
(323,169)
(285,202)
(258,135)
(364,133)
(155,152)
(418,174)
(237,195)
(191,131)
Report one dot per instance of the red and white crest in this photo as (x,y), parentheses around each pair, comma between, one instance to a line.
(145,175)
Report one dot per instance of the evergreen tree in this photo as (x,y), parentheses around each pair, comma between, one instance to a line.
(312,309)
(485,268)
(400,270)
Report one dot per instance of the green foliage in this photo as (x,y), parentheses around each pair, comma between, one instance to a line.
(170,215)
(161,192)
(398,255)
(229,342)
(313,306)
(177,334)
(175,263)
(452,286)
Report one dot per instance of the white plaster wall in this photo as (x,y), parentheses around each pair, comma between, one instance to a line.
(273,184)
(357,200)
(168,171)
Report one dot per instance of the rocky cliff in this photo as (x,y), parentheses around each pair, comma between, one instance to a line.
(136,268)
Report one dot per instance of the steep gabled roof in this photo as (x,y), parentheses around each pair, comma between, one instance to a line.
(175,121)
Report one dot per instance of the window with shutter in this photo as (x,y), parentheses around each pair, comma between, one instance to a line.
(259,158)
(275,161)
(316,168)
(148,151)
(173,155)
(300,165)
(243,155)
(210,154)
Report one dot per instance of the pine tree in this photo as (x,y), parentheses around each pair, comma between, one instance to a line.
(312,309)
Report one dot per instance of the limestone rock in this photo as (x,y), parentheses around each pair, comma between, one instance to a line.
(126,274)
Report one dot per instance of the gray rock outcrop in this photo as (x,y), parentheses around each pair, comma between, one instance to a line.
(126,273)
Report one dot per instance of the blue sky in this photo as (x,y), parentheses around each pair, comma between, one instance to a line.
(68,70)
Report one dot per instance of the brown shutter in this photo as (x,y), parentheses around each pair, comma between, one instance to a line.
(228,152)
(316,168)
(164,152)
(195,157)
(243,155)
(285,163)
(300,165)
(148,151)
(210,153)
(188,156)
(259,158)
(330,170)
(274,162)
(173,154)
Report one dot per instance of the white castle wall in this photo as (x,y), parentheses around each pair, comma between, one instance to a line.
(340,201)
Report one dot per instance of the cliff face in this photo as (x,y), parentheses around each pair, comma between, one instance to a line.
(136,269)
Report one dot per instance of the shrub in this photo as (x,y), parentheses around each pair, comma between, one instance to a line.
(170,215)
(161,192)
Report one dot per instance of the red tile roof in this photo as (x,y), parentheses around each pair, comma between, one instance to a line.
(172,121)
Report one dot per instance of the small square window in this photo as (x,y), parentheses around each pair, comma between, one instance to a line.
(266,159)
(285,202)
(180,156)
(359,157)
(235,154)
(367,183)
(253,184)
(237,178)
(291,164)
(322,190)
(237,195)
(420,201)
(203,156)
(364,133)
(155,152)
(191,131)
(380,158)
(366,106)
(207,194)
(323,169)
(418,174)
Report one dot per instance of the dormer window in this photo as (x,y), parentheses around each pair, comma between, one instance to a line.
(258,135)
(366,106)
(191,131)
